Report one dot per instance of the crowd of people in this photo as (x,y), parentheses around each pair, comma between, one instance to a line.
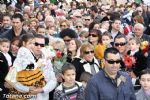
(87,50)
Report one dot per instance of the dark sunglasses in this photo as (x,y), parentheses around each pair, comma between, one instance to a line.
(78,26)
(112,62)
(67,40)
(87,19)
(38,44)
(88,52)
(121,44)
(62,25)
(93,35)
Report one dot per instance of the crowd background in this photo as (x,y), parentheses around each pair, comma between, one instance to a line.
(73,31)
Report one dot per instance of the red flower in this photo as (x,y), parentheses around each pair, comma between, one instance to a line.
(58,54)
(129,61)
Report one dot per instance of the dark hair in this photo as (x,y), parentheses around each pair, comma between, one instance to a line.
(94,8)
(26,37)
(99,33)
(91,25)
(18,15)
(111,50)
(2,40)
(85,76)
(16,39)
(121,36)
(67,66)
(145,71)
(7,14)
(68,32)
(40,26)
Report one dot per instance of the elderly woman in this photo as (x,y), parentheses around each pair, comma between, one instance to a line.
(86,62)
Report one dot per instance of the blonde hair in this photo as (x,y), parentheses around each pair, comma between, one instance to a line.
(84,47)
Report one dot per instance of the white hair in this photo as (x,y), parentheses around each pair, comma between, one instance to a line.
(139,25)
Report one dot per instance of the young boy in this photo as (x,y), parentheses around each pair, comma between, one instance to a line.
(107,39)
(69,89)
(5,63)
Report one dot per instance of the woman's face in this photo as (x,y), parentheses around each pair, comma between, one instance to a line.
(93,38)
(88,54)
(15,47)
(72,46)
(145,81)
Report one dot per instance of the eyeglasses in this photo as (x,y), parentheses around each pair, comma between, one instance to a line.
(120,44)
(87,19)
(112,61)
(38,44)
(88,52)
(78,26)
(93,35)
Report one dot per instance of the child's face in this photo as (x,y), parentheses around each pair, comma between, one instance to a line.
(133,45)
(145,81)
(69,77)
(5,47)
(30,44)
(106,40)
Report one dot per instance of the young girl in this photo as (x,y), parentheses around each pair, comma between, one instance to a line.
(144,92)
(69,89)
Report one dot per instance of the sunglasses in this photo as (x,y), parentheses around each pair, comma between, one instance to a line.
(62,25)
(88,52)
(78,26)
(93,35)
(67,40)
(120,44)
(87,19)
(38,44)
(112,62)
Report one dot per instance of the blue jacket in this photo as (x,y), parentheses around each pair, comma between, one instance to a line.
(101,87)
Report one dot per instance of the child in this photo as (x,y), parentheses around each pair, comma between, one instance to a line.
(4,48)
(5,63)
(144,92)
(105,43)
(134,51)
(84,78)
(28,75)
(69,89)
(107,39)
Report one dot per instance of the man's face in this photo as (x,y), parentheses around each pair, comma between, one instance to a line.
(16,23)
(6,21)
(138,31)
(112,63)
(39,44)
(87,20)
(120,44)
(116,25)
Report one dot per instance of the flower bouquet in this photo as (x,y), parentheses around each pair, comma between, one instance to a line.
(129,62)
(144,46)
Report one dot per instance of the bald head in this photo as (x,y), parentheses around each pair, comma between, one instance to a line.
(138,29)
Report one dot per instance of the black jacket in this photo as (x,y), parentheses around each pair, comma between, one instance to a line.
(10,34)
